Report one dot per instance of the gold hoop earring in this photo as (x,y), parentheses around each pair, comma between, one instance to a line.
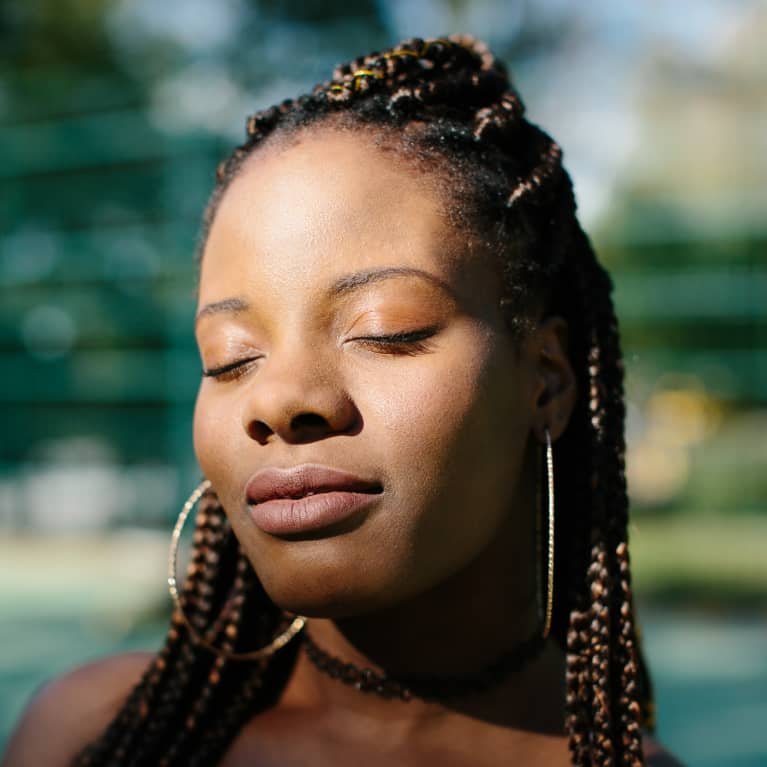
(550,547)
(276,644)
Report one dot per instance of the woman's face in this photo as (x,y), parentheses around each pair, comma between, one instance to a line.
(323,251)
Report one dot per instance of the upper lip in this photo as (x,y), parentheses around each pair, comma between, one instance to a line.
(298,481)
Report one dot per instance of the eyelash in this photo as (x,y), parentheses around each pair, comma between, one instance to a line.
(410,343)
(231,371)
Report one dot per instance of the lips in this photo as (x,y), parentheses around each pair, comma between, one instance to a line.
(306,497)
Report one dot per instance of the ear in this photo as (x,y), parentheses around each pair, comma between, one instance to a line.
(555,390)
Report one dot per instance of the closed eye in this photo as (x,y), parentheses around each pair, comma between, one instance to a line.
(231,371)
(410,342)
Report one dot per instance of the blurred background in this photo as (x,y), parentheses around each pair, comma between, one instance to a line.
(113,115)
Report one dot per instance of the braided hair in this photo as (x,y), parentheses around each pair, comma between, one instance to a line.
(448,105)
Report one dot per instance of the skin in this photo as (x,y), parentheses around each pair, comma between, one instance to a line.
(438,576)
(428,580)
(447,429)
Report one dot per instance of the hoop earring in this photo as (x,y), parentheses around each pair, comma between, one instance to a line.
(550,547)
(262,652)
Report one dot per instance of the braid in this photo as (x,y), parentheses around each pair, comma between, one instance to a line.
(448,106)
(188,696)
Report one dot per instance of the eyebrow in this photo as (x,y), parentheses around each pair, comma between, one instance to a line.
(226,306)
(351,282)
(346,284)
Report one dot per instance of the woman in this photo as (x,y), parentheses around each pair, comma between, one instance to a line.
(398,315)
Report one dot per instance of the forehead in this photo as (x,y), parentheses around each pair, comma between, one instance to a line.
(322,203)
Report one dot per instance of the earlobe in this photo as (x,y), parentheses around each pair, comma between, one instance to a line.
(556,389)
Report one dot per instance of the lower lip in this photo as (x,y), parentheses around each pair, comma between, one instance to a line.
(282,516)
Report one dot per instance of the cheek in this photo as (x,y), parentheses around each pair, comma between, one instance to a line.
(202,431)
(454,430)
(213,431)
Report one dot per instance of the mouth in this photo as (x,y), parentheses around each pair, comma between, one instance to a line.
(308,498)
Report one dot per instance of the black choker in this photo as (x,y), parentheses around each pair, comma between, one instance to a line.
(429,688)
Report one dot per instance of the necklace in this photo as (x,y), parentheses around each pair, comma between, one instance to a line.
(429,688)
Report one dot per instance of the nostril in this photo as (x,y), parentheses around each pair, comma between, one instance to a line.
(280,420)
(308,421)
(259,431)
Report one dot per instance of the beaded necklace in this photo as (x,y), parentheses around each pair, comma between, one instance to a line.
(425,687)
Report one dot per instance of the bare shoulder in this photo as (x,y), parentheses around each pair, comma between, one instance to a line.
(656,755)
(72,710)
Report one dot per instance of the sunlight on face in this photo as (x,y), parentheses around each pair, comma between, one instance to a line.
(342,321)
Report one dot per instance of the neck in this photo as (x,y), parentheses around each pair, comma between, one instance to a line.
(456,629)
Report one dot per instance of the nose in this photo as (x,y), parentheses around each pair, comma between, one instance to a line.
(298,400)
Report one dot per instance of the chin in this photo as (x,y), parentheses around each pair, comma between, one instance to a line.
(323,603)
(321,590)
